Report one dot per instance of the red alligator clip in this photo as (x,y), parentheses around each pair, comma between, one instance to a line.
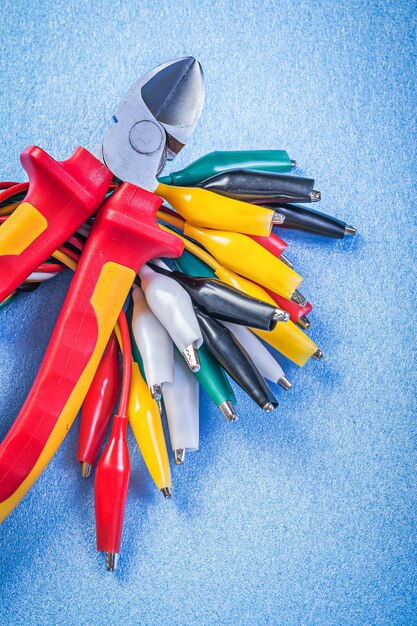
(298,313)
(98,407)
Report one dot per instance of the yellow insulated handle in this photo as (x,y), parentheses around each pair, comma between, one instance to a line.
(205,208)
(146,424)
(21,229)
(286,337)
(246,257)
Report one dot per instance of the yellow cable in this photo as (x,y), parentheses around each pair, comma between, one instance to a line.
(286,338)
(65,259)
(9,208)
(171,219)
(7,299)
(246,257)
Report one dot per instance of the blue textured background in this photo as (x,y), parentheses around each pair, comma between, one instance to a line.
(302,516)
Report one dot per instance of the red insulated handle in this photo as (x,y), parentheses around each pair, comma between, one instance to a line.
(124,236)
(62,195)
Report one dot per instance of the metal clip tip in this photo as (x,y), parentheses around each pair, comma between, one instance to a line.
(304,322)
(179,456)
(277,218)
(228,411)
(293,163)
(298,298)
(85,469)
(156,393)
(284,383)
(268,407)
(286,261)
(191,357)
(315,196)
(111,561)
(166,492)
(280,316)
(350,230)
(318,355)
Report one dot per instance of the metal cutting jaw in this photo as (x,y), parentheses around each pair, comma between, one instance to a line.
(154,122)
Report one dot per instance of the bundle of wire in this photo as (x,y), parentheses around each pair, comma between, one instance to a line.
(194,325)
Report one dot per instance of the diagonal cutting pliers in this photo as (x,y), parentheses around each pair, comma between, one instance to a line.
(151,125)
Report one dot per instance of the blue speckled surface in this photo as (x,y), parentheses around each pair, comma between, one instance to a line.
(305,516)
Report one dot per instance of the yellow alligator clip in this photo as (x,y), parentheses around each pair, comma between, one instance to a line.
(205,208)
(286,338)
(246,257)
(145,421)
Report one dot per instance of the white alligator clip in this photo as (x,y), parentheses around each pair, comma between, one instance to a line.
(172,305)
(181,401)
(260,355)
(154,344)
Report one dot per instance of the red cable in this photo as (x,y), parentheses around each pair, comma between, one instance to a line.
(127,364)
(5,184)
(76,242)
(47,268)
(13,190)
(72,255)
(165,209)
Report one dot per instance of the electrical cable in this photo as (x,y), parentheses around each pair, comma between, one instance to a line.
(154,343)
(172,305)
(8,209)
(13,190)
(98,407)
(231,355)
(312,221)
(5,184)
(246,257)
(181,400)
